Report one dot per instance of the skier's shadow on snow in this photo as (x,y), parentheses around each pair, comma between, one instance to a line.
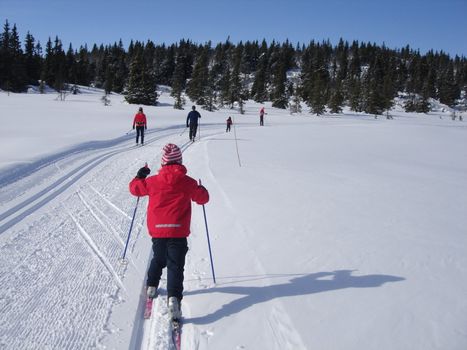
(299,286)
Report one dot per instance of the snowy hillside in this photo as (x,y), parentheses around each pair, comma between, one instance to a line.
(332,232)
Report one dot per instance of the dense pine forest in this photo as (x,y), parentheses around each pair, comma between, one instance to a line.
(364,76)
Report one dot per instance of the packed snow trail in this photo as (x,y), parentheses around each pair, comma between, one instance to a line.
(61,237)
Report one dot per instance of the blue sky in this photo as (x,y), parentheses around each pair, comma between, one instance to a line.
(423,24)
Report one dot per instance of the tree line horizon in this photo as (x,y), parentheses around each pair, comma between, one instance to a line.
(365,77)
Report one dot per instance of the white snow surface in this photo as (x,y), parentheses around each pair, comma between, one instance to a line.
(332,232)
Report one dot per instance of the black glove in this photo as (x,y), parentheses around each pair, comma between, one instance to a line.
(143,172)
(133,127)
(145,128)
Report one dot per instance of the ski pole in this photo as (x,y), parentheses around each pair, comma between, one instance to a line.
(209,242)
(236,144)
(129,131)
(129,232)
(183,131)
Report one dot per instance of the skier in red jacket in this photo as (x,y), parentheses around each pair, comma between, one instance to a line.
(170,193)
(261,116)
(141,125)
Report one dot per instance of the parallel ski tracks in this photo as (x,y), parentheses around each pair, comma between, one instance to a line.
(98,228)
(32,203)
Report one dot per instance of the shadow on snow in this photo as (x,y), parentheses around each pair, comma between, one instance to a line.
(305,284)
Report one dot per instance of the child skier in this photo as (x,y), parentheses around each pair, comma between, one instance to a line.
(168,220)
(229,123)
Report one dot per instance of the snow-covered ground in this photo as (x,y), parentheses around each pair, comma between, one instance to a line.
(333,232)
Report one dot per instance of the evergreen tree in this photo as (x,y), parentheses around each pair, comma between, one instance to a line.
(59,72)
(5,58)
(413,82)
(179,82)
(141,87)
(199,80)
(259,88)
(279,96)
(210,95)
(32,59)
(317,101)
(337,98)
(224,87)
(424,105)
(316,85)
(295,106)
(13,75)
(99,59)
(236,84)
(374,101)
(118,69)
(72,73)
(83,67)
(354,91)
(448,90)
(342,55)
(109,78)
(388,93)
(168,66)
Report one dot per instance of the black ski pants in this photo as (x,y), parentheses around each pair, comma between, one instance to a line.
(193,129)
(140,131)
(170,253)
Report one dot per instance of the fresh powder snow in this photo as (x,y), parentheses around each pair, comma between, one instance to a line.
(334,232)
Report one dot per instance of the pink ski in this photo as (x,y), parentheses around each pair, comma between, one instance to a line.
(148,308)
(177,334)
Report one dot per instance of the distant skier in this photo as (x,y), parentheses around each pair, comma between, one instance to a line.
(192,122)
(141,125)
(170,193)
(261,116)
(229,123)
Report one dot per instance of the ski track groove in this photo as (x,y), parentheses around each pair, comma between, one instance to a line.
(112,205)
(106,227)
(87,238)
(94,210)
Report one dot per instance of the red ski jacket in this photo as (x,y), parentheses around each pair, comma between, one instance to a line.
(140,120)
(170,194)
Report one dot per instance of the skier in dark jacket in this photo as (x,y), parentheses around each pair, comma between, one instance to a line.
(192,122)
(170,192)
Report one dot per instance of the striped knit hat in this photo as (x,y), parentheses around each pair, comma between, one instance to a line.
(171,154)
